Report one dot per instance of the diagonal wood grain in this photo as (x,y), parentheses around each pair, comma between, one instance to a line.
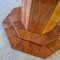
(38,14)
(15,20)
(55,18)
(29,47)
(12,24)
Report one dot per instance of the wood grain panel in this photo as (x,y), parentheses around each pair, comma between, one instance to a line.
(25,10)
(28,42)
(29,36)
(29,47)
(40,12)
(55,18)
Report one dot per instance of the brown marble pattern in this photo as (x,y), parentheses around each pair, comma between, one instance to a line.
(22,40)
